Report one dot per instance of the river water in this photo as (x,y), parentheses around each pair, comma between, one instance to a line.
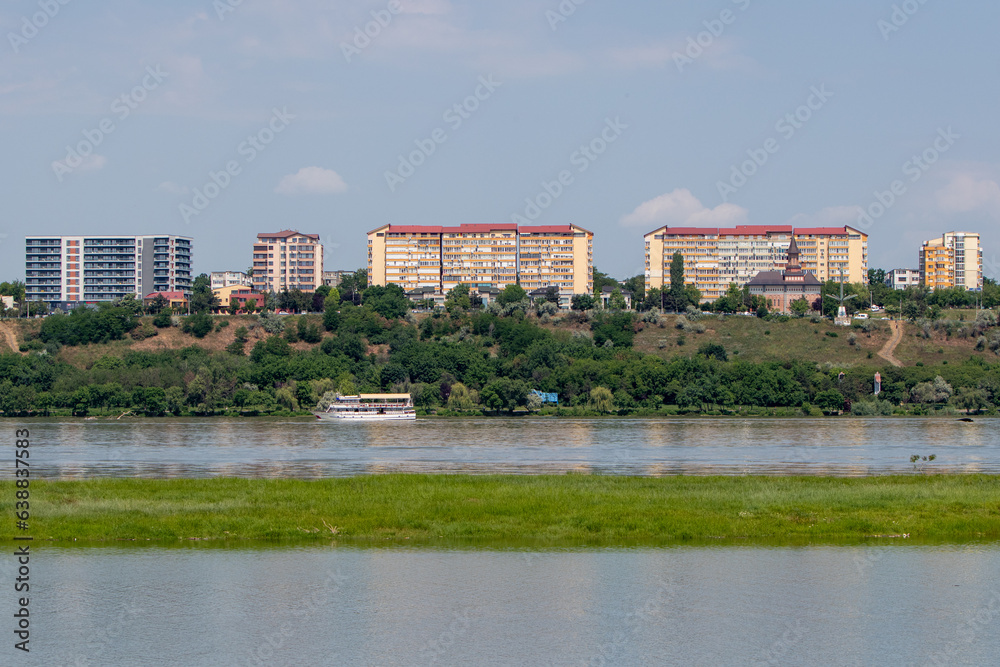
(890,602)
(311,449)
(329,605)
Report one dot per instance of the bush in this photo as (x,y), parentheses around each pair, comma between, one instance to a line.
(163,319)
(198,325)
(271,323)
(143,332)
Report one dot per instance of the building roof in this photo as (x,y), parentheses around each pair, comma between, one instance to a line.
(481,228)
(412,229)
(770,278)
(608,289)
(756,230)
(552,229)
(166,295)
(817,231)
(753,230)
(286,234)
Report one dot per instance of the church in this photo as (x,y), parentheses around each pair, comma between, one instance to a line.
(781,288)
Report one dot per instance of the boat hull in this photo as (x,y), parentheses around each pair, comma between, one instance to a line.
(362,417)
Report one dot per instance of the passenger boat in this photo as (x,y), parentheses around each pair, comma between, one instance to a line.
(369,407)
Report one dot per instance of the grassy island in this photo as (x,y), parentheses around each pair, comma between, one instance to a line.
(563,510)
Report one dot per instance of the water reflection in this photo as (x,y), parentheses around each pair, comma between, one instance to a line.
(898,604)
(309,449)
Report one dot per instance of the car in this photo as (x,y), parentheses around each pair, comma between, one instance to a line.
(861,316)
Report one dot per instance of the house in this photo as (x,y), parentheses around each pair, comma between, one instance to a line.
(240,294)
(176,300)
(608,290)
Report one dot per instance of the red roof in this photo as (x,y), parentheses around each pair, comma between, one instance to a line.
(166,295)
(755,230)
(820,230)
(551,229)
(413,229)
(481,229)
(691,231)
(285,234)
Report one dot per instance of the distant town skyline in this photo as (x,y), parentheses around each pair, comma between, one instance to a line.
(218,120)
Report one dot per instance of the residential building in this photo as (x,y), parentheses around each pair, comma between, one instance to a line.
(81,269)
(608,291)
(7,301)
(227,278)
(287,260)
(556,256)
(954,260)
(483,255)
(902,278)
(176,301)
(239,293)
(334,278)
(781,288)
(716,257)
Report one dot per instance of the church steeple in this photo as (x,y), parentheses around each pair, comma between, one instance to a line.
(794,266)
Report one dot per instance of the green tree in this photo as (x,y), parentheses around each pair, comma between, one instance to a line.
(616,301)
(829,400)
(800,307)
(602,280)
(234,306)
(512,293)
(203,300)
(676,297)
(504,394)
(601,400)
(582,302)
(458,299)
(198,325)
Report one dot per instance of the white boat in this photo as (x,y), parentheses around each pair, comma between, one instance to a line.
(369,407)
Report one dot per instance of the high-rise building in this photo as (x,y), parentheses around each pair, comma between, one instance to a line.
(81,269)
(556,256)
(287,260)
(716,257)
(490,256)
(953,260)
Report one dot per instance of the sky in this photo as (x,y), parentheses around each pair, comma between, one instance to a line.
(221,119)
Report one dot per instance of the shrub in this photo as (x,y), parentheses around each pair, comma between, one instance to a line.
(163,319)
(143,332)
(198,325)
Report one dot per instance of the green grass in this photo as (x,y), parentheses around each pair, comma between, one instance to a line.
(551,510)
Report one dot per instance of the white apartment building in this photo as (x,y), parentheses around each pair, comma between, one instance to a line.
(287,260)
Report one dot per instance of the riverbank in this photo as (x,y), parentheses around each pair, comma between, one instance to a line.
(554,510)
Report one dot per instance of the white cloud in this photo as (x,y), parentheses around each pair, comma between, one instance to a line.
(832,216)
(680,208)
(968,192)
(312,180)
(172,188)
(92,162)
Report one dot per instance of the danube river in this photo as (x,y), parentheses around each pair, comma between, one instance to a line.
(336,605)
(309,449)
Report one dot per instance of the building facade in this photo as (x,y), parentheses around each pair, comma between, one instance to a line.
(716,257)
(287,260)
(241,294)
(902,278)
(488,256)
(88,269)
(781,288)
(953,260)
(229,278)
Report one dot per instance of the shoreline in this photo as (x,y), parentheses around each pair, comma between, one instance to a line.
(553,510)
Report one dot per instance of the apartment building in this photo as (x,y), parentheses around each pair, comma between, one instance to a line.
(222,279)
(483,255)
(63,270)
(560,256)
(953,260)
(902,278)
(716,257)
(287,260)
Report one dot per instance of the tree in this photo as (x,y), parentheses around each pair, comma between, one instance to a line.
(602,280)
(601,400)
(512,293)
(504,394)
(234,306)
(830,400)
(800,307)
(203,299)
(129,303)
(458,299)
(676,297)
(389,301)
(637,286)
(552,294)
(198,325)
(616,301)
(158,304)
(582,302)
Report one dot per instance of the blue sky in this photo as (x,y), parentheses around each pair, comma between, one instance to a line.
(645,109)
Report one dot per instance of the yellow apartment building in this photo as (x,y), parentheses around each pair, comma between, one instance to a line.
(287,260)
(408,256)
(716,257)
(953,260)
(560,256)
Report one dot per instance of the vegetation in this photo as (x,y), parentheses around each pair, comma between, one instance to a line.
(555,510)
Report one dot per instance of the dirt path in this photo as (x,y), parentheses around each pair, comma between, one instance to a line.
(9,338)
(890,346)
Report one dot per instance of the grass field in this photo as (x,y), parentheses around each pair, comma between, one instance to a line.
(552,510)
